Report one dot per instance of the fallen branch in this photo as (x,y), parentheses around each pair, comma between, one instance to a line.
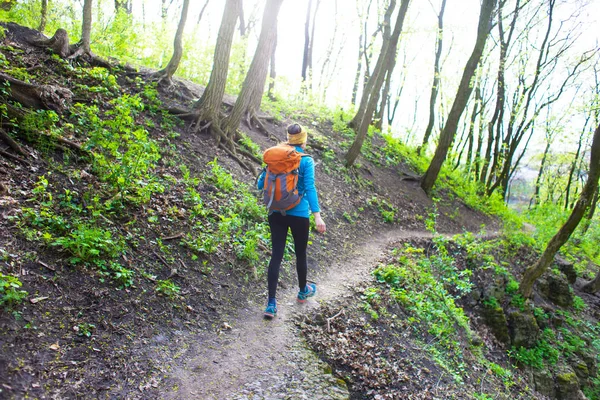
(161,259)
(71,144)
(332,318)
(46,266)
(177,236)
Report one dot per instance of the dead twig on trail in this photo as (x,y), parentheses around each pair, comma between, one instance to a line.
(161,259)
(332,318)
(177,236)
(43,264)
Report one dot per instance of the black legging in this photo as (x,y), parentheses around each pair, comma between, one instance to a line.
(279,227)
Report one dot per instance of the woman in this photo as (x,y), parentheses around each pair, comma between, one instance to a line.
(297,220)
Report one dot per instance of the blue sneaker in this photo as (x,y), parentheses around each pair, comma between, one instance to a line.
(271,310)
(309,291)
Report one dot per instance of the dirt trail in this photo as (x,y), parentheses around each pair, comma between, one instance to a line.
(258,358)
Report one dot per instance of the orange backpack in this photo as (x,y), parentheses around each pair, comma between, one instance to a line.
(280,190)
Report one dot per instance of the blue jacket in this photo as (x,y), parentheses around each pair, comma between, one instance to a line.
(306,187)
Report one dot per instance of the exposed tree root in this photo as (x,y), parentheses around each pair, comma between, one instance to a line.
(13,157)
(59,43)
(236,158)
(48,97)
(256,120)
(13,145)
(249,155)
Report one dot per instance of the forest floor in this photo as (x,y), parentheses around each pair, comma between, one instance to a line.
(77,335)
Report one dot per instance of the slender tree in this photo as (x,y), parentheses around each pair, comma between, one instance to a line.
(370,87)
(436,76)
(327,69)
(575,162)
(44,16)
(550,134)
(165,75)
(585,199)
(364,118)
(462,96)
(272,71)
(505,43)
(202,12)
(250,97)
(207,108)
(86,27)
(309,39)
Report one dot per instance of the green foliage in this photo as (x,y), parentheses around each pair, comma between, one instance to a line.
(237,223)
(413,281)
(578,304)
(85,329)
(512,286)
(249,145)
(397,152)
(220,177)
(167,288)
(10,293)
(87,244)
(60,221)
(123,154)
(388,211)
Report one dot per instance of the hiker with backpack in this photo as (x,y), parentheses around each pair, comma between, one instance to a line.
(288,185)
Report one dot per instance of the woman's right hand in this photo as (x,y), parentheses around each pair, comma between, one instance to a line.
(321,227)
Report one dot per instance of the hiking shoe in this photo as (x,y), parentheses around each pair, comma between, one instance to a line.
(309,291)
(271,310)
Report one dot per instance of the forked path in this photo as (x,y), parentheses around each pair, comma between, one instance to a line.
(261,359)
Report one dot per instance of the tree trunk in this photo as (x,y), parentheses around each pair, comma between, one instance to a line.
(311,47)
(385,94)
(326,74)
(209,104)
(44,16)
(534,272)
(590,214)
(358,68)
(501,91)
(462,96)
(202,12)
(86,28)
(374,87)
(306,43)
(574,163)
(535,200)
(436,77)
(173,64)
(369,88)
(249,99)
(474,115)
(243,26)
(273,71)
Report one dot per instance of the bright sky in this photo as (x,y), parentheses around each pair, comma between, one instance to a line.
(417,46)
